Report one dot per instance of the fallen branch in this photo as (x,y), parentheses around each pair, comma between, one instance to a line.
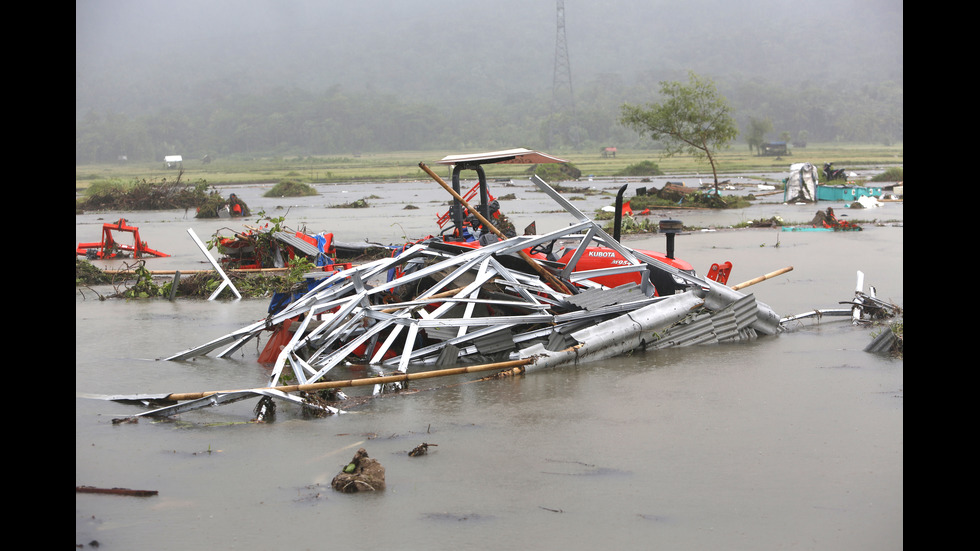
(114,491)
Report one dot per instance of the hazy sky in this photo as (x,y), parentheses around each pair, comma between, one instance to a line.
(414,44)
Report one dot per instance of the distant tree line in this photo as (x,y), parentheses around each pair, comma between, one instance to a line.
(339,121)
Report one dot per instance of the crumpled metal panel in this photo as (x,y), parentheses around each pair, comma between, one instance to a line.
(592,299)
(300,245)
(731,324)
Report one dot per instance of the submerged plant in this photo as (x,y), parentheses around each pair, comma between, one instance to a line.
(290,188)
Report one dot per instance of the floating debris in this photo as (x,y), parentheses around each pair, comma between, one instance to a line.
(825,221)
(109,247)
(362,474)
(115,491)
(421,449)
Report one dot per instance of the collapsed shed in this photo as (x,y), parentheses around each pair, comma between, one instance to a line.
(801,185)
(477,307)
(442,307)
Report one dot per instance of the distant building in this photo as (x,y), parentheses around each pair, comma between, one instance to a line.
(173,161)
(773,149)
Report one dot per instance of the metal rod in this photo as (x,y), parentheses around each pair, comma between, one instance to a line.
(227,282)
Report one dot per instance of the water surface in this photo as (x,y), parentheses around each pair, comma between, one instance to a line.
(786,442)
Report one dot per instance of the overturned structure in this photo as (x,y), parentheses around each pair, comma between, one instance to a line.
(801,185)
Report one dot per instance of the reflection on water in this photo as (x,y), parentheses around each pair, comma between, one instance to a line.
(784,442)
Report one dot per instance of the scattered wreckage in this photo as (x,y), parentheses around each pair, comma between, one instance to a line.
(110,247)
(510,305)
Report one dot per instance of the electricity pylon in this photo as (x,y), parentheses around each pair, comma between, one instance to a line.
(562,99)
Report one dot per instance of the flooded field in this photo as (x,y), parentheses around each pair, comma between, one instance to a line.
(793,441)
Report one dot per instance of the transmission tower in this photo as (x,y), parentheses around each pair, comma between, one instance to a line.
(562,100)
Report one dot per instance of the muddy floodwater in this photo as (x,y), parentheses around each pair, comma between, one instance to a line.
(793,441)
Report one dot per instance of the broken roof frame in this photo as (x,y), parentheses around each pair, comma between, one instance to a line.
(475,162)
(344,311)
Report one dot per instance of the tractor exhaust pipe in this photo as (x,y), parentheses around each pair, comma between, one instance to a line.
(670,228)
(618,222)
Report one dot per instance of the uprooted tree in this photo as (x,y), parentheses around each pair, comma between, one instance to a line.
(693,118)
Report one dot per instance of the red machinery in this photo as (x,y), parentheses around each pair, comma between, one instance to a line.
(110,248)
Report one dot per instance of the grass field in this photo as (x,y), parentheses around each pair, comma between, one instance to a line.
(404,165)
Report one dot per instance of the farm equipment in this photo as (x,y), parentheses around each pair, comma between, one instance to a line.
(110,248)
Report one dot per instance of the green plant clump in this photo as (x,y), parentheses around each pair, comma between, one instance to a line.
(358,204)
(87,274)
(144,287)
(894,174)
(556,172)
(642,168)
(290,188)
(698,199)
(203,285)
(630,225)
(144,195)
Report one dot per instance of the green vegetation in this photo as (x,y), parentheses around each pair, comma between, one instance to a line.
(141,285)
(697,199)
(290,188)
(317,127)
(250,286)
(630,225)
(358,204)
(642,168)
(693,119)
(893,174)
(559,172)
(87,274)
(141,194)
(403,165)
(755,134)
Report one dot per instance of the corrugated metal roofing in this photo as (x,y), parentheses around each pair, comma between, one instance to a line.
(497,341)
(505,157)
(731,324)
(300,245)
(593,299)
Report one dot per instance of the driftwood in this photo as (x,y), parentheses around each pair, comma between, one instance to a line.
(114,491)
(421,449)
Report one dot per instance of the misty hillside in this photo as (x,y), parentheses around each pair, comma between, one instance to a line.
(134,56)
(141,59)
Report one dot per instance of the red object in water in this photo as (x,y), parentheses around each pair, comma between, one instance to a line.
(279,339)
(720,272)
(109,248)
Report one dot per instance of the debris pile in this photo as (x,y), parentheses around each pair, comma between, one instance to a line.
(362,474)
(442,307)
(827,219)
(421,449)
(439,305)
(216,207)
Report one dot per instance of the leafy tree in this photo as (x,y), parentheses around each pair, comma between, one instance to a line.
(756,135)
(693,118)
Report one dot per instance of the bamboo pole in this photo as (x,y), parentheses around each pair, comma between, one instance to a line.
(548,276)
(762,278)
(192,272)
(366,381)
